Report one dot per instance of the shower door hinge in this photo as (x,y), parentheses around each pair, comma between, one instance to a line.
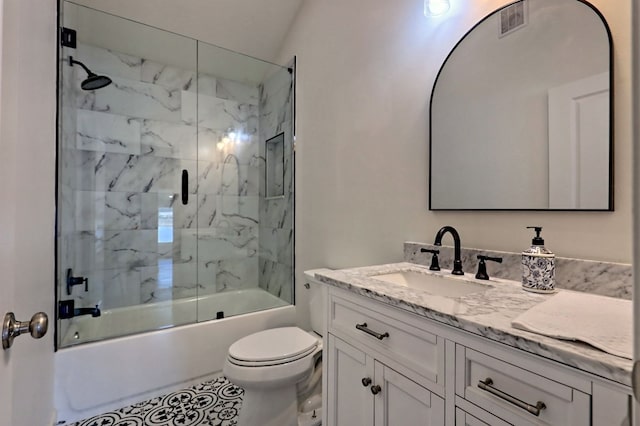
(68,37)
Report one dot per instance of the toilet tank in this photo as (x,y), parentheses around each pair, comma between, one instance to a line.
(317,300)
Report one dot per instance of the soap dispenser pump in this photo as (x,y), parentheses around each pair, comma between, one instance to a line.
(538,266)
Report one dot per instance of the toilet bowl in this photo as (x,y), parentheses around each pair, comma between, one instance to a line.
(269,365)
(276,366)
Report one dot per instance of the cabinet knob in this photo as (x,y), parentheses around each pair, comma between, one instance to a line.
(375,389)
(366,381)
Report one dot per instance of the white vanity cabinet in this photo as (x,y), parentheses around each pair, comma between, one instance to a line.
(569,397)
(386,366)
(364,391)
(612,404)
(349,379)
(403,401)
(521,392)
(379,377)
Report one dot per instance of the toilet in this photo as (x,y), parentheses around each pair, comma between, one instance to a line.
(280,368)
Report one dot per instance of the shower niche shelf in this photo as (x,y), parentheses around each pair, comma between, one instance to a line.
(274,167)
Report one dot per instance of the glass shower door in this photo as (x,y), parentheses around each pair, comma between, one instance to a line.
(175,181)
(245,239)
(127,180)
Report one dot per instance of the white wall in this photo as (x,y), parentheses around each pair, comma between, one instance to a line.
(255,28)
(119,33)
(364,77)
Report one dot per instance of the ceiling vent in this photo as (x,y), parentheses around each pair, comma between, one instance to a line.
(513,17)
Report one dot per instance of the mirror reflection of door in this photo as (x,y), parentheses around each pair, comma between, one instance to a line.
(578,160)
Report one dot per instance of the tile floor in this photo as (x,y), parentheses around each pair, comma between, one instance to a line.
(214,403)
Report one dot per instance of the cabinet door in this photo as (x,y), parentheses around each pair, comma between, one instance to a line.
(403,402)
(611,405)
(350,403)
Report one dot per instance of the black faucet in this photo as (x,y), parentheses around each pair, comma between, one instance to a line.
(94,312)
(457,262)
(67,309)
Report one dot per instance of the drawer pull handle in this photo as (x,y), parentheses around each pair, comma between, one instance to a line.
(486,385)
(363,327)
(375,389)
(366,381)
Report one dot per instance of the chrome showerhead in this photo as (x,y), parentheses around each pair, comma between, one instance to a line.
(93,81)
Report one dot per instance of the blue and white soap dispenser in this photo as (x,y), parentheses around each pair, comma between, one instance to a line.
(538,266)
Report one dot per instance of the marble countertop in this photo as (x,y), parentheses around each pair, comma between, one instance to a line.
(488,314)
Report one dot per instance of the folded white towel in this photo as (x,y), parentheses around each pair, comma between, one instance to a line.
(603,322)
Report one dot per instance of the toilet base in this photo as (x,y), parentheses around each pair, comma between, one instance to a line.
(277,407)
(310,418)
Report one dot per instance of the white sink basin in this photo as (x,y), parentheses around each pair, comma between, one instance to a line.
(434,284)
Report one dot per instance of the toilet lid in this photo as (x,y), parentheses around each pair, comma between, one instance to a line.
(273,345)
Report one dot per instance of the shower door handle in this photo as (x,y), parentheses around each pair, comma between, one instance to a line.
(185,186)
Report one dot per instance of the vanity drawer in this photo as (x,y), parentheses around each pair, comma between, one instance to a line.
(464,418)
(512,393)
(398,339)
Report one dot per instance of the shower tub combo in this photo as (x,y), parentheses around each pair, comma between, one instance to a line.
(174,209)
(110,374)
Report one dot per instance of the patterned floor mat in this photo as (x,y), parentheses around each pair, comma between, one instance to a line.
(214,403)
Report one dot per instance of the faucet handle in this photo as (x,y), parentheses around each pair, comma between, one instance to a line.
(482,266)
(493,259)
(71,281)
(435,265)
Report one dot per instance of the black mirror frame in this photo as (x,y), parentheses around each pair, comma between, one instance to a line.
(611,118)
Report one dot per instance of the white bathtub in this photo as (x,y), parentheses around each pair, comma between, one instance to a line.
(101,376)
(154,316)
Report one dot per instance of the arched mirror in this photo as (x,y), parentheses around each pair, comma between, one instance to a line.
(521,112)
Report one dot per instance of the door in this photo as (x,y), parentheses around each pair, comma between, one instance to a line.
(578,157)
(27,188)
(404,402)
(350,371)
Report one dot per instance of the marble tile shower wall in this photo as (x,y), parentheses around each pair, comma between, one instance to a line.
(123,151)
(276,213)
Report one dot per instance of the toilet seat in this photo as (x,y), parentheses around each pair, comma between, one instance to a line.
(272,347)
(270,362)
